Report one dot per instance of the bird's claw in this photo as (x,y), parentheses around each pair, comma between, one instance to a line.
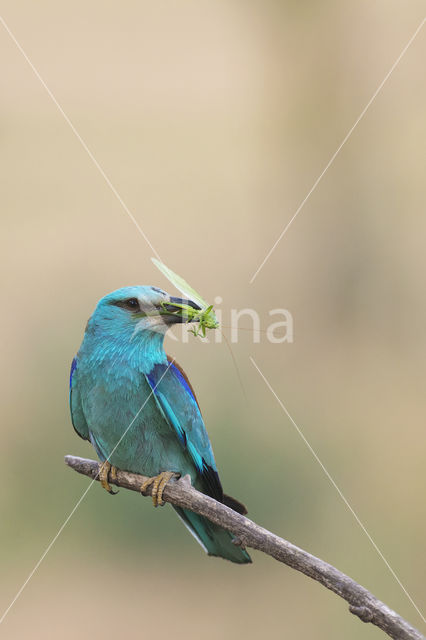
(239,542)
(158,484)
(107,471)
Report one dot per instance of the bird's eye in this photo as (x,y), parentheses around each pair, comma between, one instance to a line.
(132,304)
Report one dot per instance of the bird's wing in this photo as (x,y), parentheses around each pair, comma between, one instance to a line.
(178,404)
(77,416)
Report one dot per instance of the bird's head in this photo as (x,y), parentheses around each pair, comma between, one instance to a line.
(137,311)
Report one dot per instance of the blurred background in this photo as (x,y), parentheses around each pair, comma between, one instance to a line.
(213,120)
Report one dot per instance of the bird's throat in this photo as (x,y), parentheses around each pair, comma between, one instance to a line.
(140,352)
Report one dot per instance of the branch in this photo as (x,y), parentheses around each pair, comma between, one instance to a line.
(361,602)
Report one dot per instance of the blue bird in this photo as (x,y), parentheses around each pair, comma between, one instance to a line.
(138,409)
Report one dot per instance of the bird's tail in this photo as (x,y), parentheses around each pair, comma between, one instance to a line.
(214,540)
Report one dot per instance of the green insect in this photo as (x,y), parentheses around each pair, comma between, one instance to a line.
(205,316)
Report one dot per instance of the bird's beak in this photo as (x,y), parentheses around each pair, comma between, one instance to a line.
(176,310)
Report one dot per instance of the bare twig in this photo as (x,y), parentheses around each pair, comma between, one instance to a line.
(361,602)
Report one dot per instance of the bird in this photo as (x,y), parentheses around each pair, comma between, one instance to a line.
(137,408)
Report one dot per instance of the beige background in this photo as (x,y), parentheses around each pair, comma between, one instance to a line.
(213,120)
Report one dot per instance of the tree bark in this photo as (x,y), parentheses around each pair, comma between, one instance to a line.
(247,533)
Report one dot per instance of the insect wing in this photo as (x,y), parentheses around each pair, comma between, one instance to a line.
(180,284)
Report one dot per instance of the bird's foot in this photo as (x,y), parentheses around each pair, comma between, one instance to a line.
(239,542)
(107,471)
(158,484)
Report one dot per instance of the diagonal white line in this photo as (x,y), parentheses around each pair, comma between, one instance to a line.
(333,157)
(80,139)
(80,500)
(48,548)
(337,488)
(150,394)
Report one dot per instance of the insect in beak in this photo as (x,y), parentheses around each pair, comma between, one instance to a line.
(185,309)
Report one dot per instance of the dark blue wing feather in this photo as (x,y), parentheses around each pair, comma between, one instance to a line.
(77,417)
(178,403)
(73,368)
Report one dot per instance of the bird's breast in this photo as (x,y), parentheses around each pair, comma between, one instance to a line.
(127,425)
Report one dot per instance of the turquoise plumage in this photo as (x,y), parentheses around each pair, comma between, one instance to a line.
(138,409)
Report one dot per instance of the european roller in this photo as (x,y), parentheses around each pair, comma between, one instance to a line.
(138,409)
